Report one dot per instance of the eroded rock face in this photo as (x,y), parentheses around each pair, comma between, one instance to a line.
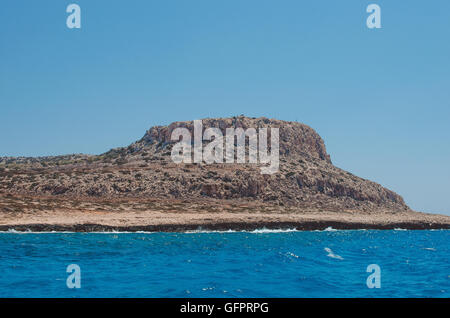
(306,178)
(295,138)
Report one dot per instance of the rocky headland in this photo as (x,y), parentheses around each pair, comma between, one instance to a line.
(139,187)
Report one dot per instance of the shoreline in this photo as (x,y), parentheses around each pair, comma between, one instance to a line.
(38,214)
(220,227)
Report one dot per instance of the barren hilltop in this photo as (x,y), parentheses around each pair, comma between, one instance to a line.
(139,187)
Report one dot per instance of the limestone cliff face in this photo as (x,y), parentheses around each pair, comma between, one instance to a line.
(306,178)
(295,138)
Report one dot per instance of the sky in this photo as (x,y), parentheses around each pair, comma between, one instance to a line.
(380,98)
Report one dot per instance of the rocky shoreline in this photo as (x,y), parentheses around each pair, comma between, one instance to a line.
(46,214)
(305,226)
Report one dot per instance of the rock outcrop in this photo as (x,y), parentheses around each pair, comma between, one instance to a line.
(295,138)
(306,179)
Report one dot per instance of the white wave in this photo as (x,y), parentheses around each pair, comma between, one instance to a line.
(257,231)
(264,230)
(330,229)
(198,231)
(206,231)
(331,254)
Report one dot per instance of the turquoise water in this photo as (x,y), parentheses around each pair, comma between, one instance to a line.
(236,264)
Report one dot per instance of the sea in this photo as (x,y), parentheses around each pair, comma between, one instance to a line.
(261,263)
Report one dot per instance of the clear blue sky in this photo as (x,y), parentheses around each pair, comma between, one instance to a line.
(379,98)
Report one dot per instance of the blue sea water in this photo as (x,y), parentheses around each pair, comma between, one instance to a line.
(233,264)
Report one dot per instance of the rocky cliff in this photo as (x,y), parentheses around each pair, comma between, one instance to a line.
(306,179)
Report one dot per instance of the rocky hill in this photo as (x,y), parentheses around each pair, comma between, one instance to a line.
(306,179)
